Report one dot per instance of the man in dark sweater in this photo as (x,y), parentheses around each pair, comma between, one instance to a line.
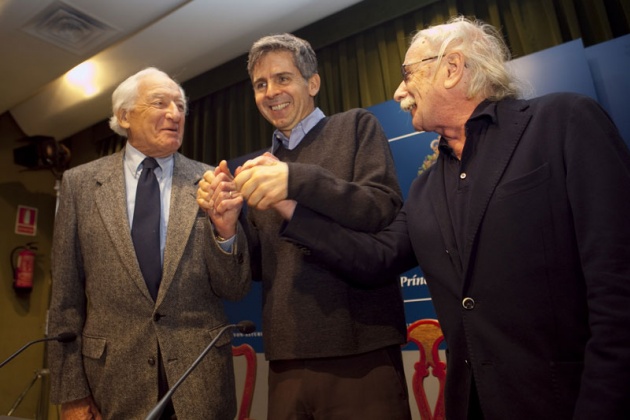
(333,342)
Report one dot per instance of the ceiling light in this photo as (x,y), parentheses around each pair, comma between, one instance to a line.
(83,77)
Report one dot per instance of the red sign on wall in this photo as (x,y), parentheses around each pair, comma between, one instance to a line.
(26,221)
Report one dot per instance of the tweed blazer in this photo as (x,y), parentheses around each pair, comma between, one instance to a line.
(99,293)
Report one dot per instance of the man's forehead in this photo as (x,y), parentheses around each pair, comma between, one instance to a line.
(281,59)
(417,50)
(160,87)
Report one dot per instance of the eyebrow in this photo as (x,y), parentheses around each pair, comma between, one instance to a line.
(282,73)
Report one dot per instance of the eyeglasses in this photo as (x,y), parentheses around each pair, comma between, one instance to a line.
(406,74)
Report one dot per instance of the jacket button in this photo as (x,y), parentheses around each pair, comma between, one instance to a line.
(468,303)
(156,317)
(467,362)
(151,361)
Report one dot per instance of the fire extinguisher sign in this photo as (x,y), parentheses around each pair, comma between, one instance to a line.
(26,221)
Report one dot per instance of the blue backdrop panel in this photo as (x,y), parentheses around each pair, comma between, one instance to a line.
(563,68)
(250,308)
(609,63)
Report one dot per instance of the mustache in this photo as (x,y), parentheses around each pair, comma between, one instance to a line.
(407,104)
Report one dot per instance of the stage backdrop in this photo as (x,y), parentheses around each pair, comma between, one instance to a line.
(598,71)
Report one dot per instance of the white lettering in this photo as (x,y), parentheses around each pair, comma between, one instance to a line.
(412,281)
(254,334)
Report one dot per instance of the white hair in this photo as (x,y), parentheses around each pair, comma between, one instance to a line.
(126,95)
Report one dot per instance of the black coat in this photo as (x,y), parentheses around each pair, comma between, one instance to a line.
(545,263)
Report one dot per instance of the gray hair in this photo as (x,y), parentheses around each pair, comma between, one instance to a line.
(304,57)
(126,95)
(486,55)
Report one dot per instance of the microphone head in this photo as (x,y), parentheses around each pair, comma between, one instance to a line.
(66,337)
(246,327)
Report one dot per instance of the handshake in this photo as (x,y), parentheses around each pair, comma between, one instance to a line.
(263,182)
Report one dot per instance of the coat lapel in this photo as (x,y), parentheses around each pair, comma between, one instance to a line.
(112,206)
(183,214)
(512,118)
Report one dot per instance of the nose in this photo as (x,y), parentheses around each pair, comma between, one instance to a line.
(401,92)
(173,112)
(272,90)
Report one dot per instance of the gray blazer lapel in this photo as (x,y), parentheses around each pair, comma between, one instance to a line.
(512,118)
(112,207)
(183,214)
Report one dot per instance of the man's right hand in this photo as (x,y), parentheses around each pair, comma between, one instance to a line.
(218,197)
(83,409)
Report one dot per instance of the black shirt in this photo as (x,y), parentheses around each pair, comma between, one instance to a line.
(459,175)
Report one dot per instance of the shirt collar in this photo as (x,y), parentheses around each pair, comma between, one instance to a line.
(485,110)
(299,131)
(133,160)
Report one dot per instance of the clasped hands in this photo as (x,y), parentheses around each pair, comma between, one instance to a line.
(263,182)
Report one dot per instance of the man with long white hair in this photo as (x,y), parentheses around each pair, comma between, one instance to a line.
(521,229)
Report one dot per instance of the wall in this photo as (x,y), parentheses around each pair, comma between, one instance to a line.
(23,317)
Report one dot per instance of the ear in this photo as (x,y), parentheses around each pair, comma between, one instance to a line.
(455,65)
(313,85)
(122,117)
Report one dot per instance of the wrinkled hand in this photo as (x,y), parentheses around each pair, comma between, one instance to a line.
(83,409)
(218,197)
(263,181)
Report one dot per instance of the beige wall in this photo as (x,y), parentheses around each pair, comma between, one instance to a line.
(23,317)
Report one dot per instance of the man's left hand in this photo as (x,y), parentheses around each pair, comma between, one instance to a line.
(263,181)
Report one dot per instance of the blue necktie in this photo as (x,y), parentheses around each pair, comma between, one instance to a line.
(145,230)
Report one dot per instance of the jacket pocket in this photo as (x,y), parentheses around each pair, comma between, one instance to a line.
(524,183)
(93,347)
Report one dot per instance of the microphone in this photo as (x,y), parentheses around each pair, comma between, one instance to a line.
(64,337)
(244,327)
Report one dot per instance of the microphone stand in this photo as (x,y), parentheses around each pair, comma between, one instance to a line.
(63,337)
(38,375)
(245,326)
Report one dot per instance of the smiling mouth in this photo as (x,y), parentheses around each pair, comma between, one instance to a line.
(279,107)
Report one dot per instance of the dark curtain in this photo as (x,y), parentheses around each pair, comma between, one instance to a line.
(364,69)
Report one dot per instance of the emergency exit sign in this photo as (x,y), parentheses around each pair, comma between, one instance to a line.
(26,221)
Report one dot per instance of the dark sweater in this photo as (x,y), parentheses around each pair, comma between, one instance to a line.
(343,169)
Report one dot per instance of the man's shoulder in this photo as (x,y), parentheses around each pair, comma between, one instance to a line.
(96,165)
(352,117)
(353,113)
(190,168)
(182,160)
(557,99)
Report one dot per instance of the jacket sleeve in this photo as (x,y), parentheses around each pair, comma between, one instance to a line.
(230,272)
(364,259)
(68,302)
(597,166)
